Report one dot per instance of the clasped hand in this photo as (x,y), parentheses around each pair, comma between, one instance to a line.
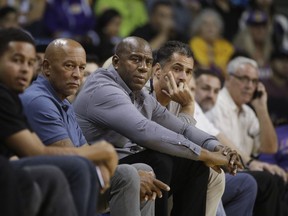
(234,161)
(150,187)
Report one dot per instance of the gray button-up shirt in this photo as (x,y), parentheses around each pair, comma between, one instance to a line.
(107,109)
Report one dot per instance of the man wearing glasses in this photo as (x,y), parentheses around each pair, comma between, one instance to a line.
(236,119)
(251,131)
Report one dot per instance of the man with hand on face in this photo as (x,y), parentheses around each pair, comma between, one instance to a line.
(208,86)
(52,117)
(172,73)
(113,106)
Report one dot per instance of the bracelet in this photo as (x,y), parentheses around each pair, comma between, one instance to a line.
(249,162)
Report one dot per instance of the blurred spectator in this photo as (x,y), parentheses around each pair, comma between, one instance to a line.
(255,40)
(8,17)
(230,12)
(108,29)
(277,23)
(40,52)
(277,87)
(70,19)
(133,13)
(161,26)
(29,10)
(210,49)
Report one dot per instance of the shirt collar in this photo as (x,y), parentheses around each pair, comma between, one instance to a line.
(44,81)
(119,80)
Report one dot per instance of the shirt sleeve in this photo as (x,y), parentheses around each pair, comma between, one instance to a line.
(46,121)
(112,108)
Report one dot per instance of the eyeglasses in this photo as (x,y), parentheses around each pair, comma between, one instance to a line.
(245,80)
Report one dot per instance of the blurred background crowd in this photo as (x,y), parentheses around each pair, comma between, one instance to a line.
(216,31)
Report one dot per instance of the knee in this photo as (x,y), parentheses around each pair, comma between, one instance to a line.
(126,176)
(216,181)
(248,183)
(142,166)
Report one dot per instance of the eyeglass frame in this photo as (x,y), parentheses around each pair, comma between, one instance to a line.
(245,80)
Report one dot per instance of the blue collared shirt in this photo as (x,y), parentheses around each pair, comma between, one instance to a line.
(52,119)
(107,109)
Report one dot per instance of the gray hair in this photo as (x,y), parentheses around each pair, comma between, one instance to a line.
(234,64)
(198,22)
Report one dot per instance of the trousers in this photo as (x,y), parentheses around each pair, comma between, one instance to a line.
(239,195)
(187,179)
(80,174)
(123,197)
(270,195)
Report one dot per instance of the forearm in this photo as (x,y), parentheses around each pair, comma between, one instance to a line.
(268,137)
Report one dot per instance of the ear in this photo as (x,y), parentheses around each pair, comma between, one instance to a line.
(157,71)
(115,61)
(46,67)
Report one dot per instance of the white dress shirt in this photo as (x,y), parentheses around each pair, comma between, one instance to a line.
(239,125)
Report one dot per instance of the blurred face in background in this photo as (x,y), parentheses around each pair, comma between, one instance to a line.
(210,28)
(162,17)
(280,67)
(207,89)
(113,27)
(9,21)
(264,3)
(90,68)
(259,33)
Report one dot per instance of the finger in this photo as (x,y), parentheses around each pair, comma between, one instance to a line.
(232,159)
(225,151)
(269,169)
(169,85)
(239,163)
(172,81)
(181,86)
(234,171)
(165,92)
(154,195)
(161,185)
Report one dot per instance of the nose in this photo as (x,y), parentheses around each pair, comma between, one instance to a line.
(211,94)
(76,73)
(250,84)
(26,67)
(182,76)
(143,66)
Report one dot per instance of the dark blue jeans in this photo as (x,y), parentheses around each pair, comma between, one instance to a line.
(239,195)
(80,174)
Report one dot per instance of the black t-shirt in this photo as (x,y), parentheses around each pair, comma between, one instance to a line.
(12,119)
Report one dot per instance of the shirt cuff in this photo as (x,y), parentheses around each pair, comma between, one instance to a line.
(211,145)
(193,147)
